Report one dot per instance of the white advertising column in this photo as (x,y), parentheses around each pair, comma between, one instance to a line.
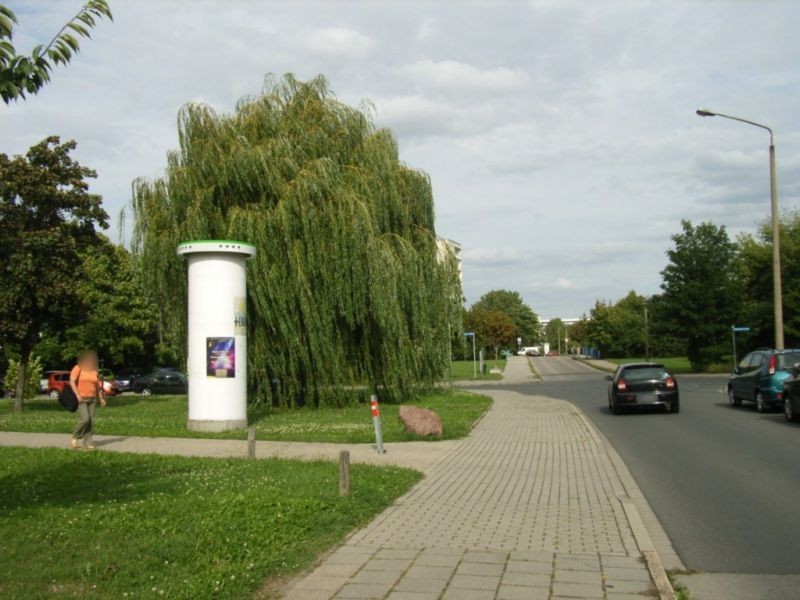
(217,352)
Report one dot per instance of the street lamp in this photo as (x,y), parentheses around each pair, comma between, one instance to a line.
(776,244)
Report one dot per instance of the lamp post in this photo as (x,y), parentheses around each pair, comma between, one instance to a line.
(776,247)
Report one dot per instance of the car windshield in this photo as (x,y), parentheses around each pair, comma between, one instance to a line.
(644,373)
(787,360)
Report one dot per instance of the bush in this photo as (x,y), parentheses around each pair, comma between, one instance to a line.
(32,382)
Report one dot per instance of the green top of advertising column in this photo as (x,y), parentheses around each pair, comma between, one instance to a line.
(217,246)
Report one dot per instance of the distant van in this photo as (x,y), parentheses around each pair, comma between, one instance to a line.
(530,351)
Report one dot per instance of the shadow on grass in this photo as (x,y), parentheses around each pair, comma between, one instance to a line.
(79,477)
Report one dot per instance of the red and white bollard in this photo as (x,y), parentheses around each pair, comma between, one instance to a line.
(376,422)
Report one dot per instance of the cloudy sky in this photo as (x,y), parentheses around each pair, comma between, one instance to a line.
(560,137)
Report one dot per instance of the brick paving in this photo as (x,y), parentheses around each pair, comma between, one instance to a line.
(527,507)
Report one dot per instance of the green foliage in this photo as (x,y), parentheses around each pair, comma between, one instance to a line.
(702,290)
(618,329)
(28,74)
(33,375)
(498,329)
(47,217)
(120,322)
(554,333)
(511,303)
(755,253)
(346,287)
(165,416)
(111,525)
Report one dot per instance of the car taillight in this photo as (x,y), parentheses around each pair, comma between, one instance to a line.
(621,385)
(773,361)
(670,383)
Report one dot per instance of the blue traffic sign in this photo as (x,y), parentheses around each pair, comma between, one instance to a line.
(469,333)
(740,329)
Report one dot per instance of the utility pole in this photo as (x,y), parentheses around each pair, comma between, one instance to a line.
(646,336)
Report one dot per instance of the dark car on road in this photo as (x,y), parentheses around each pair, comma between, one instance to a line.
(759,378)
(638,385)
(161,381)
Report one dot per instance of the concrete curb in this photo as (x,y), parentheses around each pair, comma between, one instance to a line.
(637,524)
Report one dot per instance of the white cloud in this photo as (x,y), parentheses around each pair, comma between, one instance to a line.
(338,42)
(454,75)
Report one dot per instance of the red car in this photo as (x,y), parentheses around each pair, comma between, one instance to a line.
(58,379)
(553,353)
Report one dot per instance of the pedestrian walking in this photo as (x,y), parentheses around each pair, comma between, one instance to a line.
(85,382)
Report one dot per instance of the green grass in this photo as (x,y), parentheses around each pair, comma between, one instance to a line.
(165,416)
(681,591)
(109,525)
(675,364)
(464,369)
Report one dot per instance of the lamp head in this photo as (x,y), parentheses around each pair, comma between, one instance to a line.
(704,112)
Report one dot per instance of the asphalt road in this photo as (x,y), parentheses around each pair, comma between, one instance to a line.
(724,482)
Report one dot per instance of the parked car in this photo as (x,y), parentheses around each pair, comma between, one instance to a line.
(553,353)
(759,378)
(637,385)
(126,378)
(56,380)
(161,381)
(791,394)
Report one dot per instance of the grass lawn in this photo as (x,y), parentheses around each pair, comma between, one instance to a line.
(109,525)
(165,416)
(675,364)
(464,369)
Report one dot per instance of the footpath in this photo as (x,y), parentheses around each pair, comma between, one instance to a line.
(529,506)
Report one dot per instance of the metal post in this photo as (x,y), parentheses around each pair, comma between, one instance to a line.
(344,473)
(733,339)
(474,363)
(376,422)
(777,290)
(646,336)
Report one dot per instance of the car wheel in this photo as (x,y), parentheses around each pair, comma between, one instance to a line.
(675,407)
(615,408)
(788,409)
(761,404)
(734,401)
(147,391)
(53,394)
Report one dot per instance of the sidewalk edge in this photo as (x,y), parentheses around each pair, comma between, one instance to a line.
(640,533)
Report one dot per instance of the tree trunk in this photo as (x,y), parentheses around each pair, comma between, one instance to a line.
(22,375)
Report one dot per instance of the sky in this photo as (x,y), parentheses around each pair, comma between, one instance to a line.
(560,137)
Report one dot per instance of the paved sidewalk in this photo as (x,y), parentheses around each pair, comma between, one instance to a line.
(530,506)
(518,370)
(414,455)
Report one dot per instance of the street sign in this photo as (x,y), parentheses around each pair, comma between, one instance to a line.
(740,329)
(469,334)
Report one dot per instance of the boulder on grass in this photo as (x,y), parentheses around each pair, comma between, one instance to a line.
(420,421)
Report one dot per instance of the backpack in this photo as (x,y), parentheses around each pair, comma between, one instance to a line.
(67,397)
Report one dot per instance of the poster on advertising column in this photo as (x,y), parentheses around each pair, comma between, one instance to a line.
(221,357)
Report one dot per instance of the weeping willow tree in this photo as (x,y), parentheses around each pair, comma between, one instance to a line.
(346,289)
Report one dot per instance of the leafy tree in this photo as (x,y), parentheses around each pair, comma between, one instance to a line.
(120,323)
(511,304)
(21,74)
(498,329)
(346,286)
(31,385)
(756,259)
(702,290)
(554,332)
(47,216)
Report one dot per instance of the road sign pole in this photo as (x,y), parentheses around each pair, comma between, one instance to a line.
(733,339)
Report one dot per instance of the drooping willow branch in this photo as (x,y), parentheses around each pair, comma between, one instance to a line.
(346,289)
